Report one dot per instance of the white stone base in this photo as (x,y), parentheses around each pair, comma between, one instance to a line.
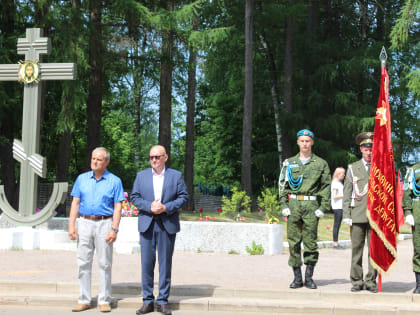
(226,237)
(194,236)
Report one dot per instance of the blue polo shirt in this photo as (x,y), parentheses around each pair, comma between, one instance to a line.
(97,197)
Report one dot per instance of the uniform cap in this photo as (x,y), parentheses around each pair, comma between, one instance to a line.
(305,132)
(364,139)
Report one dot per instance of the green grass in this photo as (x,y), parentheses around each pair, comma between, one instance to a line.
(325,226)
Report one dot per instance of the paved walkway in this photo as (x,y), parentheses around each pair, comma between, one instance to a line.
(222,271)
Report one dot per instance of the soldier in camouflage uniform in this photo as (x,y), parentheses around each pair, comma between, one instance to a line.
(411,206)
(354,214)
(304,188)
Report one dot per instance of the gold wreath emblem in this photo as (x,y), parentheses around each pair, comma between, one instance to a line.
(28,71)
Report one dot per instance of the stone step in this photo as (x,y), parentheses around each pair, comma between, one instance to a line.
(134,289)
(233,304)
(206,299)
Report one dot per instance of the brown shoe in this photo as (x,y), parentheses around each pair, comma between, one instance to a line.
(80,308)
(146,308)
(104,308)
(164,309)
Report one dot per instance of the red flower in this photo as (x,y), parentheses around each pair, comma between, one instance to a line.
(201,209)
(243,219)
(219,210)
(328,227)
(207,219)
(214,218)
(201,219)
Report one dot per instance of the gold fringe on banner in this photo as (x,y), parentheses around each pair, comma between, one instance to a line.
(387,244)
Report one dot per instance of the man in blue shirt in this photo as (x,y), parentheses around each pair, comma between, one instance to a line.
(97,197)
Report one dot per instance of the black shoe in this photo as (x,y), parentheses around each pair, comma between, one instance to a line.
(297,281)
(356,288)
(146,308)
(164,309)
(372,288)
(417,289)
(309,282)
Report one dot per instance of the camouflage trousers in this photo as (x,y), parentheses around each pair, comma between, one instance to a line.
(416,236)
(302,225)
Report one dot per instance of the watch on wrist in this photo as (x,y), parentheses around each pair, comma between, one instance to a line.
(115,230)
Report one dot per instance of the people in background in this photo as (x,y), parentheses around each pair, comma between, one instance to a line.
(337,188)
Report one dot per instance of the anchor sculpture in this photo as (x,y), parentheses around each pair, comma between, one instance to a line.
(26,151)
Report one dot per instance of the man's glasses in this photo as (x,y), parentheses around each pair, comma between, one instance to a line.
(155,157)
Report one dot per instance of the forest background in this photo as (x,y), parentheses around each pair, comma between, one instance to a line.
(223,85)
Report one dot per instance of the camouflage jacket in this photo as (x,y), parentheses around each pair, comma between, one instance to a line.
(408,190)
(316,181)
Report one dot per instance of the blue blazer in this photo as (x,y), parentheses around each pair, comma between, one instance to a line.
(174,196)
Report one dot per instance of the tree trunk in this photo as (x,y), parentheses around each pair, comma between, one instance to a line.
(166,66)
(288,72)
(64,151)
(189,138)
(275,95)
(7,163)
(137,72)
(246,175)
(310,39)
(94,100)
(63,157)
(7,121)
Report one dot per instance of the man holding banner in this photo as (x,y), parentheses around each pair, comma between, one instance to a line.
(411,206)
(354,213)
(383,192)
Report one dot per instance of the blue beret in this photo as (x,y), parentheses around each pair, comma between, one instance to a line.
(305,132)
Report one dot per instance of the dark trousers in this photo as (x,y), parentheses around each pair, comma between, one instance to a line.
(338,216)
(156,237)
(359,233)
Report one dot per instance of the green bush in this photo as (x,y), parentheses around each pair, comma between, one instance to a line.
(269,203)
(239,202)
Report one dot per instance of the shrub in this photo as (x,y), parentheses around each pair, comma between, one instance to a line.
(269,203)
(256,249)
(239,201)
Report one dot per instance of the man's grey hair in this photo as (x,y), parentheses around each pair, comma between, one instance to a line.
(107,154)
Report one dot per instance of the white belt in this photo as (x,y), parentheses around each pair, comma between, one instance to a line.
(301,197)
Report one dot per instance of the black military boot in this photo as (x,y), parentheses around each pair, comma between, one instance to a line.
(309,283)
(417,289)
(297,281)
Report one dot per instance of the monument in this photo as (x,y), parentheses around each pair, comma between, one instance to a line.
(30,72)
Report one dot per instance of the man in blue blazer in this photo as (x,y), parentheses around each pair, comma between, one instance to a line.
(158,193)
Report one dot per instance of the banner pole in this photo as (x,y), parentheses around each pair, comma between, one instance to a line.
(382,57)
(379,282)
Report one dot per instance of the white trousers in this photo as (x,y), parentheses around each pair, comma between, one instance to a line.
(92,236)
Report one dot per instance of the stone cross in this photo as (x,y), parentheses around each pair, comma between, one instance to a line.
(26,151)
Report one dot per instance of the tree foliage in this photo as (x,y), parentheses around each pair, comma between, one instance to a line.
(329,84)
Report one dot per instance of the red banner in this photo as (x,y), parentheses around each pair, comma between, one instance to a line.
(381,202)
(398,202)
